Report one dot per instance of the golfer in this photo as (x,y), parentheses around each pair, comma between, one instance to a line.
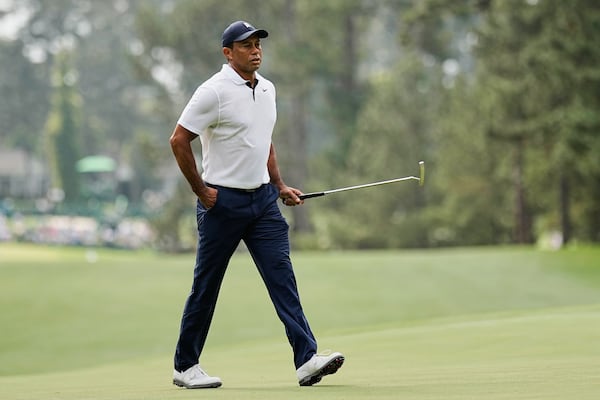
(234,113)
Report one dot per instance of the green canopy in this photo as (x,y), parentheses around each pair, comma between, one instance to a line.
(96,163)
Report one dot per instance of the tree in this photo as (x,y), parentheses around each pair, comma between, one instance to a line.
(534,65)
(392,136)
(115,113)
(63,132)
(540,67)
(323,94)
(23,86)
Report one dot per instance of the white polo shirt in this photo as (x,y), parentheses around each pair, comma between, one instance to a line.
(235,125)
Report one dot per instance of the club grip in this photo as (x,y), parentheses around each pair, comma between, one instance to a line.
(311,195)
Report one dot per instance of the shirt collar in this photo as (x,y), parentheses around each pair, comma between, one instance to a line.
(234,76)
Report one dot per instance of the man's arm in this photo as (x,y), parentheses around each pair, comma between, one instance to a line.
(289,195)
(181,144)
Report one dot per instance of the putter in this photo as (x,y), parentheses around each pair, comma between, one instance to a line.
(420,178)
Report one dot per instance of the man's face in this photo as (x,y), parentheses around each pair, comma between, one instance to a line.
(245,56)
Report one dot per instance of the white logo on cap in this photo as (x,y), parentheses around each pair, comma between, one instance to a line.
(247,25)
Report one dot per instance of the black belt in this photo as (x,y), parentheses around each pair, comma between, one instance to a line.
(236,189)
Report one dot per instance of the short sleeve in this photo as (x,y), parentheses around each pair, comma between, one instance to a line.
(201,111)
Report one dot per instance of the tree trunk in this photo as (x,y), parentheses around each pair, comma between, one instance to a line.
(592,227)
(346,93)
(297,133)
(565,217)
(299,171)
(522,227)
(350,54)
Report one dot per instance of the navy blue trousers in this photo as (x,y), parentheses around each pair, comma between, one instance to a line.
(255,218)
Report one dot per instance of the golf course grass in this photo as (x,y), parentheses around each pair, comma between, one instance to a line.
(476,323)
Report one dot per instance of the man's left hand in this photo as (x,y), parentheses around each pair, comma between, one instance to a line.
(289,196)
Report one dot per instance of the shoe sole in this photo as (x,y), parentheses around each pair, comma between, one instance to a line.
(328,369)
(207,386)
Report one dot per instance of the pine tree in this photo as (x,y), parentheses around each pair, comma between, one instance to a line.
(62,130)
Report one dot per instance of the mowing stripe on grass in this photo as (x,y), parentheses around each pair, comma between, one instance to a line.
(539,355)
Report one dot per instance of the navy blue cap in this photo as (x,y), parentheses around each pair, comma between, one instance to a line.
(240,30)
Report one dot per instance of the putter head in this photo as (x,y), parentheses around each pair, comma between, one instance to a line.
(421,173)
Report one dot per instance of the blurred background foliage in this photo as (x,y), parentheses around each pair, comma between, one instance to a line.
(499,97)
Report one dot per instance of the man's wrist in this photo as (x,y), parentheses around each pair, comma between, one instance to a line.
(279,184)
(200,189)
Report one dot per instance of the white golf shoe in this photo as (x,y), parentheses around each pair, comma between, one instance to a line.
(195,378)
(318,366)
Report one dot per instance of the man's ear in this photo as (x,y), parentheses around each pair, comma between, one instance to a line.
(227,53)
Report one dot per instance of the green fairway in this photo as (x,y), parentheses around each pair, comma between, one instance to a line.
(487,323)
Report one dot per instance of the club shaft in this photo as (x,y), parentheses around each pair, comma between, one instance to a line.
(366,185)
(421,180)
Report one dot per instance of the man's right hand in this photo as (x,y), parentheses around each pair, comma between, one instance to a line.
(208,197)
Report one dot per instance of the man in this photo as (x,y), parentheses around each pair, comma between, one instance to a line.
(234,113)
